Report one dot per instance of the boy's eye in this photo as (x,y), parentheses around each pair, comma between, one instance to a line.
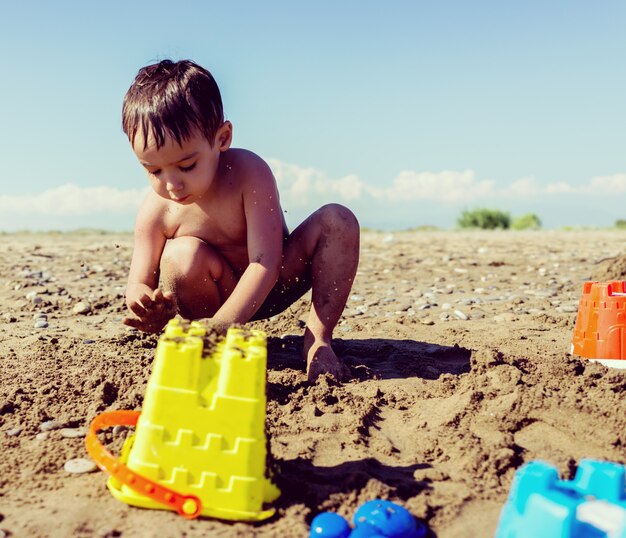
(154,172)
(187,168)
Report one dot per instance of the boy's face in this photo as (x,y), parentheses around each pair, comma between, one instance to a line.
(183,173)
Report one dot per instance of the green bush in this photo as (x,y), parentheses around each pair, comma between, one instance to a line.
(529,221)
(485,219)
(621,224)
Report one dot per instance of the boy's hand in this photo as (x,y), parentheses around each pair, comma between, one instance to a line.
(151,311)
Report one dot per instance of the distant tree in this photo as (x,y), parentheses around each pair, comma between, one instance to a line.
(529,221)
(485,219)
(621,224)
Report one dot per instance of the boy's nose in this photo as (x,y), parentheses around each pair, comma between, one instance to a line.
(173,185)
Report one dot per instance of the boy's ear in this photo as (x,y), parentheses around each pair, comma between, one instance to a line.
(224,136)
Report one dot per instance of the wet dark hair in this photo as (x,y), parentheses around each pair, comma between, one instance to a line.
(172,99)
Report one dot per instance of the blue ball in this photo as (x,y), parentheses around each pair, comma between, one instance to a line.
(388,519)
(329,525)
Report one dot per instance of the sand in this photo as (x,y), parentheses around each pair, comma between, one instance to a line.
(457,342)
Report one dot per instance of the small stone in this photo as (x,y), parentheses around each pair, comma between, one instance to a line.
(9,318)
(427,321)
(118,430)
(446,306)
(505,317)
(50,425)
(41,324)
(72,433)
(403,306)
(79,466)
(81,308)
(36,299)
(14,431)
(461,315)
(42,435)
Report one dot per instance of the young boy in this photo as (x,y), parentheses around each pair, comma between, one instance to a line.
(212,228)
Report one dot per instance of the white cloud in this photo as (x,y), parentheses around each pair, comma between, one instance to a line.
(603,185)
(596,186)
(72,200)
(301,186)
(446,186)
(410,196)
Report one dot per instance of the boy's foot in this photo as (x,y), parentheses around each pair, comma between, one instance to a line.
(321,359)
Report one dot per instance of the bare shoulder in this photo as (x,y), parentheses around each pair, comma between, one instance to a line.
(251,169)
(151,214)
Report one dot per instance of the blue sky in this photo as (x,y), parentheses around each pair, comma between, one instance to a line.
(408,112)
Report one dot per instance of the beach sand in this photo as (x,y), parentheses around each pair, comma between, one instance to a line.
(457,341)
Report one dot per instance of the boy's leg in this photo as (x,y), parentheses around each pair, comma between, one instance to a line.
(322,254)
(197,275)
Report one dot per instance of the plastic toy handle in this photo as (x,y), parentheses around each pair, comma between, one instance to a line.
(188,506)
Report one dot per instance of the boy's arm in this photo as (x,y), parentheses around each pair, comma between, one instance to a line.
(151,308)
(265,246)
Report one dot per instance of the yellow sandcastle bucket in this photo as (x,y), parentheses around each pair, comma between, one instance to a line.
(199,446)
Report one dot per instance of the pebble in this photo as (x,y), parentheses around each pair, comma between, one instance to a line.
(427,321)
(81,308)
(34,298)
(42,435)
(117,430)
(71,433)
(14,431)
(461,315)
(404,306)
(9,318)
(568,308)
(79,466)
(41,324)
(50,425)
(505,317)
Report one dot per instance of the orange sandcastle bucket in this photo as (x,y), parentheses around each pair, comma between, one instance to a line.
(600,329)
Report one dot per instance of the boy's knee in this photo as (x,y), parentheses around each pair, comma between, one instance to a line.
(187,255)
(337,216)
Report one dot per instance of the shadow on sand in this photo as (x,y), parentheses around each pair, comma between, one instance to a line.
(379,358)
(301,482)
